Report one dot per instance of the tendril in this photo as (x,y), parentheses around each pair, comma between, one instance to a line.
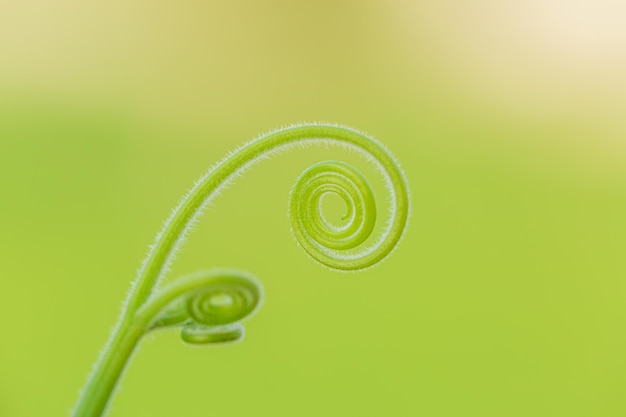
(226,301)
(198,334)
(210,306)
(322,242)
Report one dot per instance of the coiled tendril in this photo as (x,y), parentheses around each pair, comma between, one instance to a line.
(216,310)
(227,300)
(210,305)
(325,242)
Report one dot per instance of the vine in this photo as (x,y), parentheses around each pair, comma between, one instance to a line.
(209,306)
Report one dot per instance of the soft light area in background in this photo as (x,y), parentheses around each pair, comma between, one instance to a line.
(506,298)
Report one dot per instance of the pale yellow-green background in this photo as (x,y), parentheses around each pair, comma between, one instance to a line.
(506,298)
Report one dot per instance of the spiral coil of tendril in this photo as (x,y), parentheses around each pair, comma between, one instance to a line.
(217,309)
(209,305)
(331,245)
(226,300)
(316,235)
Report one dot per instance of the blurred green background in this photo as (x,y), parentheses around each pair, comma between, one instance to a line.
(504,299)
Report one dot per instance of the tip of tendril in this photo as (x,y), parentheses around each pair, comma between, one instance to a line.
(199,334)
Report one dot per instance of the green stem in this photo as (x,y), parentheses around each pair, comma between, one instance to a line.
(108,371)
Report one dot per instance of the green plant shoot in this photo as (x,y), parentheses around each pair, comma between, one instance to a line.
(209,306)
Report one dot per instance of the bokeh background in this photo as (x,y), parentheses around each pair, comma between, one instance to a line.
(506,298)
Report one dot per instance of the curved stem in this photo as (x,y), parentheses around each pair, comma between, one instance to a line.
(104,379)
